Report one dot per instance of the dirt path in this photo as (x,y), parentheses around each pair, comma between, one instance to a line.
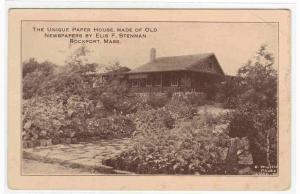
(35,167)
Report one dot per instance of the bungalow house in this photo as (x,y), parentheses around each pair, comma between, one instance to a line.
(175,73)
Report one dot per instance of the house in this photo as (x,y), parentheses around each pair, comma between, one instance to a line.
(175,73)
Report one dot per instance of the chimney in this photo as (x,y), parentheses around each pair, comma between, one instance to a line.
(152,54)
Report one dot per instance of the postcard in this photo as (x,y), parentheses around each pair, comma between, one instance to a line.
(149,99)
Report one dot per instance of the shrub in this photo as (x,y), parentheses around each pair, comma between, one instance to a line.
(180,110)
(260,126)
(190,98)
(192,147)
(56,116)
(210,89)
(153,120)
(42,116)
(65,101)
(111,127)
(157,100)
(116,97)
(228,90)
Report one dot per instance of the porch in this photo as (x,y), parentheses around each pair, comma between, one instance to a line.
(173,81)
(160,89)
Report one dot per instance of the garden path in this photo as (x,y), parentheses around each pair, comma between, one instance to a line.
(84,155)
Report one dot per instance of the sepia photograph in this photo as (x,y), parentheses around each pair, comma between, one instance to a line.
(132,97)
(200,104)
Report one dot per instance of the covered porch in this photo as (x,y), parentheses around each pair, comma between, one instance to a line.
(170,81)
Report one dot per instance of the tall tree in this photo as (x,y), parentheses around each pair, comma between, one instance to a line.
(256,113)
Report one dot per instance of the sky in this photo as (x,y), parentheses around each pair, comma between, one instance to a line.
(233,43)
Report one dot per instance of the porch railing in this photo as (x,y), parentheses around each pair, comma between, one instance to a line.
(160,89)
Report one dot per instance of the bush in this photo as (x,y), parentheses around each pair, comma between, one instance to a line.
(260,126)
(228,91)
(157,100)
(240,124)
(111,127)
(190,98)
(192,147)
(65,101)
(180,110)
(42,116)
(116,97)
(55,116)
(153,120)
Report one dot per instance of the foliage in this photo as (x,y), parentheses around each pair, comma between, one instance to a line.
(42,116)
(74,78)
(191,147)
(210,89)
(78,57)
(70,81)
(190,98)
(256,112)
(116,97)
(111,126)
(46,68)
(54,116)
(157,100)
(171,135)
(228,91)
(153,119)
(116,68)
(180,109)
(62,100)
(34,75)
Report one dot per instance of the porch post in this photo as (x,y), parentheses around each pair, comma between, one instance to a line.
(161,81)
(186,79)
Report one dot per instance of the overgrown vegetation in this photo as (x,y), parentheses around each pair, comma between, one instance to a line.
(254,95)
(192,146)
(62,101)
(171,134)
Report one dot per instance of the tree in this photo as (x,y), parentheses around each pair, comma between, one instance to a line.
(259,79)
(78,57)
(228,91)
(256,112)
(76,77)
(36,74)
(29,66)
(116,68)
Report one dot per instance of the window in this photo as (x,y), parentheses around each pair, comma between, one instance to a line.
(210,65)
(157,80)
(142,82)
(174,80)
(149,82)
(134,83)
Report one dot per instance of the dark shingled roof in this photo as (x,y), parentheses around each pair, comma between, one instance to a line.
(173,63)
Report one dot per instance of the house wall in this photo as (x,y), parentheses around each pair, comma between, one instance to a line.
(200,81)
(186,80)
(161,79)
(209,65)
(172,81)
(168,81)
